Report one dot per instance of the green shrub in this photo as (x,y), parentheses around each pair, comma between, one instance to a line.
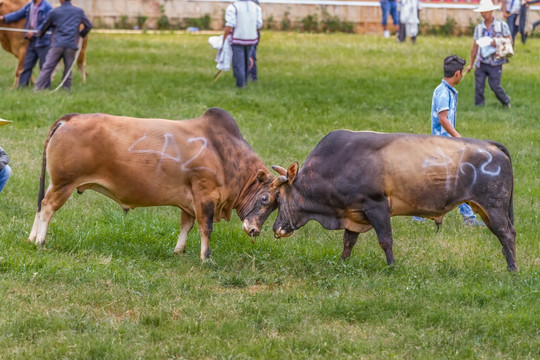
(141,20)
(270,23)
(163,21)
(123,23)
(286,22)
(202,22)
(310,23)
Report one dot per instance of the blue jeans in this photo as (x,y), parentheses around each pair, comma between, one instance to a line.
(464,209)
(252,73)
(33,54)
(389,7)
(240,61)
(5,173)
(512,25)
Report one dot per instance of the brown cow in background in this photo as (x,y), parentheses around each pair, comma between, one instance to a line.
(14,43)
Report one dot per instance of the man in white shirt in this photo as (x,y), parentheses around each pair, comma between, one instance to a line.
(242,20)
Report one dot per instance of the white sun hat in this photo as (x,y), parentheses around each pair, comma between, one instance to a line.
(486,5)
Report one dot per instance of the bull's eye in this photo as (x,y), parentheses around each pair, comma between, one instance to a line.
(264,199)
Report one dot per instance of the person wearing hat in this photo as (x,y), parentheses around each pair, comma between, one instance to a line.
(488,66)
(5,170)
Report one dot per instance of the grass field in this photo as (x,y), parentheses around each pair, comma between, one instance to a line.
(109,287)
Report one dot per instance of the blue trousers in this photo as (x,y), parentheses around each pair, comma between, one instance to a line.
(54,55)
(5,173)
(33,54)
(252,73)
(240,61)
(511,20)
(389,7)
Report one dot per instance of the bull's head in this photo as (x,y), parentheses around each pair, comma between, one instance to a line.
(259,203)
(283,226)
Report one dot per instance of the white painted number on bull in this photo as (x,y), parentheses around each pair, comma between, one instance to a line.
(445,161)
(170,150)
(483,167)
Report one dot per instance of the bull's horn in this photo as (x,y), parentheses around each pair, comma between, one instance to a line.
(280,180)
(279,170)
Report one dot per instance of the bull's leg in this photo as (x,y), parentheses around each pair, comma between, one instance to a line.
(205,220)
(82,67)
(53,200)
(378,214)
(349,239)
(35,226)
(499,223)
(33,233)
(186,224)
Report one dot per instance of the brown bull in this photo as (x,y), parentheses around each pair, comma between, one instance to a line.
(358,180)
(203,166)
(14,42)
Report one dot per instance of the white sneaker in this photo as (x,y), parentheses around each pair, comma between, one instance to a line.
(386,33)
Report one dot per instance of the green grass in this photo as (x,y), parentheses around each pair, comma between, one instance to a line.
(108,286)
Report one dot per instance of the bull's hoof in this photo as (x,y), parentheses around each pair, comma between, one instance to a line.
(514,269)
(206,256)
(345,255)
(178,251)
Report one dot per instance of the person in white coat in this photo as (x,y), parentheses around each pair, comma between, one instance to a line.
(242,19)
(409,20)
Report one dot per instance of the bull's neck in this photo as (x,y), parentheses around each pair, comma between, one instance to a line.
(245,196)
(307,198)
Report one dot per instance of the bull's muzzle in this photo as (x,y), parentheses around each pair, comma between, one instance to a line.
(281,233)
(250,229)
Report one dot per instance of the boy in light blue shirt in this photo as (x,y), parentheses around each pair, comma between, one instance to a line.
(443,117)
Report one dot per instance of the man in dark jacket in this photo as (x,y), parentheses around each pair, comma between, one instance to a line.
(35,13)
(65,21)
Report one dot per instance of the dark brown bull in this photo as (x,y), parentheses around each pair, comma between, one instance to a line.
(358,180)
(203,166)
(14,42)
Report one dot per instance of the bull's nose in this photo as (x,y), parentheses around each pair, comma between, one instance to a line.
(250,229)
(280,232)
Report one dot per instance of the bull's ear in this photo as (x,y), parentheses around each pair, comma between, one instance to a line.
(292,171)
(279,170)
(262,176)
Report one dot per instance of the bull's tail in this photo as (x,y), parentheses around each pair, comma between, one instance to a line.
(507,153)
(53,129)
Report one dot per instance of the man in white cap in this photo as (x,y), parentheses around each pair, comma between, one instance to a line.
(488,66)
(5,170)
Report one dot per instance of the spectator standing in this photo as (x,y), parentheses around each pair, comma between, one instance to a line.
(242,19)
(5,170)
(490,66)
(510,9)
(443,118)
(409,19)
(35,13)
(389,7)
(65,21)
